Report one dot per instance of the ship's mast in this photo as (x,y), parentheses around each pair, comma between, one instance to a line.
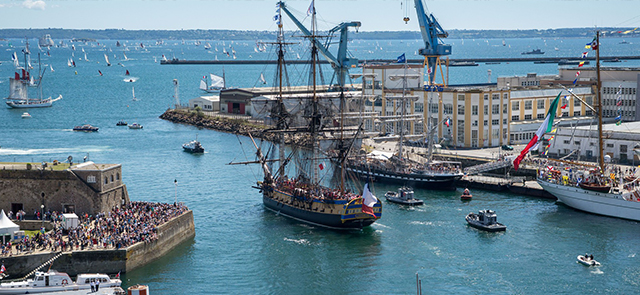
(315,117)
(280,108)
(599,98)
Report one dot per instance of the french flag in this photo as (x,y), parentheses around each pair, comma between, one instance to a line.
(368,201)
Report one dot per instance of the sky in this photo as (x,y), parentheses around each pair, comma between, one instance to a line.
(375,15)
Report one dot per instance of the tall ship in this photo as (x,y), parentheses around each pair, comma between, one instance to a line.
(19,87)
(593,188)
(46,41)
(404,168)
(294,188)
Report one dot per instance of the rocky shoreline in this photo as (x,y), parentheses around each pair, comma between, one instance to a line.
(234,126)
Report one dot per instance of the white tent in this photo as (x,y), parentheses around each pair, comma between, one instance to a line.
(7,227)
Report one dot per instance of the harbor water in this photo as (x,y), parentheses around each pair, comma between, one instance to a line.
(242,248)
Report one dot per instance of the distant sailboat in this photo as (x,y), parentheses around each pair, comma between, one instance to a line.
(125,56)
(85,57)
(51,67)
(207,46)
(164,58)
(106,58)
(133,91)
(262,79)
(71,63)
(99,72)
(14,57)
(127,73)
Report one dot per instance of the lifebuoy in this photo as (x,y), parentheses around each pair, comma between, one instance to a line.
(65,282)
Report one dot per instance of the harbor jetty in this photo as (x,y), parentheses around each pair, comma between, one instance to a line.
(109,233)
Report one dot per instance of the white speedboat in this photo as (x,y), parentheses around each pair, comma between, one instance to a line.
(404,196)
(25,115)
(135,126)
(588,260)
(53,281)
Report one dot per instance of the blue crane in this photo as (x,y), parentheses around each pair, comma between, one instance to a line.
(434,47)
(342,62)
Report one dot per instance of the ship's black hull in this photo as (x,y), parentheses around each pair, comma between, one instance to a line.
(329,220)
(425,181)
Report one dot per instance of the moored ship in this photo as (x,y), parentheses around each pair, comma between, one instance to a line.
(593,189)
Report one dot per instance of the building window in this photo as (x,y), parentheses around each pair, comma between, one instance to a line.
(566,141)
(565,114)
(495,96)
(587,113)
(111,177)
(460,110)
(527,117)
(460,131)
(505,108)
(540,103)
(475,123)
(486,109)
(576,142)
(474,110)
(515,106)
(117,176)
(576,113)
(460,97)
(576,102)
(609,145)
(495,122)
(389,103)
(448,109)
(504,121)
(91,179)
(486,97)
(528,104)
(515,118)
(623,148)
(485,122)
(589,100)
(495,109)
(418,128)
(419,107)
(434,108)
(106,180)
(540,116)
(505,96)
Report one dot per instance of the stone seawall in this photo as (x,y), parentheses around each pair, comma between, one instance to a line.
(110,261)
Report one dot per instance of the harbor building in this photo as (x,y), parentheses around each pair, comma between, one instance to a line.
(621,142)
(619,89)
(466,116)
(208,103)
(84,188)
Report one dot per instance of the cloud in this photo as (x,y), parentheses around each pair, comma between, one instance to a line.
(31,4)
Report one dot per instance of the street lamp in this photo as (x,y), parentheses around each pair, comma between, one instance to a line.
(42,214)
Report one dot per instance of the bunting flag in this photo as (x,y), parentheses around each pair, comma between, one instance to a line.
(544,128)
(584,54)
(447,122)
(401,59)
(321,166)
(565,100)
(581,64)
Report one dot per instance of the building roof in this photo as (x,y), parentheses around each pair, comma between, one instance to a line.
(210,98)
(91,166)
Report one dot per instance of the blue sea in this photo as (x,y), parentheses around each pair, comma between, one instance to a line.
(240,248)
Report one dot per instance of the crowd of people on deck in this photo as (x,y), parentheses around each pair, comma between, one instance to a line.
(121,227)
(572,174)
(409,166)
(302,189)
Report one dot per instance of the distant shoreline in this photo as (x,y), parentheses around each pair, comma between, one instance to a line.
(119,34)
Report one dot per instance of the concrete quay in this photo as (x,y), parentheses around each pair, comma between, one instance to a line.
(170,234)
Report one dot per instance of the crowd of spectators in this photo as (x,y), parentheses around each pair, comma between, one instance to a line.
(121,227)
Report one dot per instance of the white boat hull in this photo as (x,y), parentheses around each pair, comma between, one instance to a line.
(594,202)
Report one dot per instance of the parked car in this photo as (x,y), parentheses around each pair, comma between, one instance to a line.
(507,147)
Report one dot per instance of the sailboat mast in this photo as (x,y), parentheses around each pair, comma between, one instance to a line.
(402,109)
(599,98)
(315,116)
(281,123)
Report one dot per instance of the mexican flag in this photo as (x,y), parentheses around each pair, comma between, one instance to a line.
(544,128)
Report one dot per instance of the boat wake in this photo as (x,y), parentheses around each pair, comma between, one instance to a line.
(596,271)
(130,79)
(299,241)
(22,152)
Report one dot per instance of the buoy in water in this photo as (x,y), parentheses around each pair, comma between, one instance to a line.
(138,290)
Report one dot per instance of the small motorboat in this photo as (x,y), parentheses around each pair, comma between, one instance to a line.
(121,123)
(25,115)
(404,196)
(86,128)
(588,260)
(135,126)
(193,147)
(485,220)
(53,281)
(466,195)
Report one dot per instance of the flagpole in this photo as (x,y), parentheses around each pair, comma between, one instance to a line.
(175,182)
